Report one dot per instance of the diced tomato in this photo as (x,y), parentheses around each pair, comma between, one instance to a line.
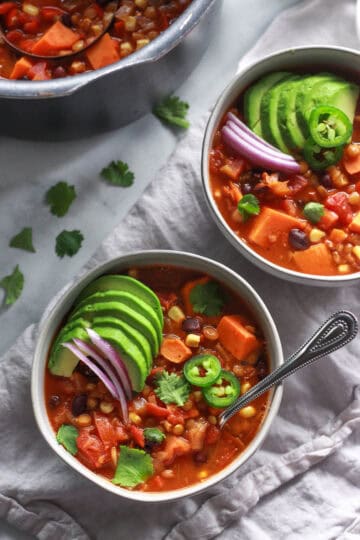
(176,416)
(62,415)
(98,9)
(289,206)
(174,446)
(32,27)
(328,220)
(110,433)
(167,299)
(297,183)
(51,13)
(119,28)
(339,203)
(137,435)
(92,448)
(14,35)
(357,186)
(155,410)
(212,434)
(193,413)
(6,6)
(12,18)
(39,72)
(196,434)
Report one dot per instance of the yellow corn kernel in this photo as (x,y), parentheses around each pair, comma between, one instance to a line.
(31,10)
(130,23)
(176,314)
(192,340)
(212,419)
(142,4)
(187,405)
(356,252)
(142,42)
(316,235)
(78,45)
(91,403)
(245,387)
(354,198)
(126,48)
(167,473)
(202,475)
(344,268)
(178,429)
(197,395)
(341,181)
(84,420)
(106,407)
(248,412)
(135,418)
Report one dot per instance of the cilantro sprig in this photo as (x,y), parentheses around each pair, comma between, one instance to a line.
(249,206)
(207,298)
(172,388)
(117,173)
(13,285)
(23,240)
(133,467)
(67,436)
(68,243)
(60,197)
(173,111)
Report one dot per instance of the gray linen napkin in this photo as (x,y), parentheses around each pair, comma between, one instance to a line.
(304,482)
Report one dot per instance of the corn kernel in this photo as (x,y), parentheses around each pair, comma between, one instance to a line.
(130,23)
(31,10)
(91,403)
(316,235)
(202,475)
(344,268)
(341,181)
(354,198)
(167,473)
(135,418)
(245,387)
(192,340)
(106,407)
(212,419)
(114,456)
(248,412)
(142,42)
(78,45)
(187,405)
(176,314)
(126,48)
(217,194)
(84,420)
(356,252)
(142,4)
(197,395)
(178,429)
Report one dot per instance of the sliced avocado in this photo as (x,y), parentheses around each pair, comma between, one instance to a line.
(131,355)
(131,333)
(125,313)
(253,97)
(303,91)
(127,284)
(269,114)
(131,300)
(62,362)
(289,127)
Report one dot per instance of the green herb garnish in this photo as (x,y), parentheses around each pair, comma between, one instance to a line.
(67,436)
(153,435)
(207,299)
(173,111)
(60,197)
(117,173)
(134,467)
(313,211)
(23,240)
(13,285)
(249,206)
(172,388)
(68,243)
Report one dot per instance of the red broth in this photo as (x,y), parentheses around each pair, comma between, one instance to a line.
(194,448)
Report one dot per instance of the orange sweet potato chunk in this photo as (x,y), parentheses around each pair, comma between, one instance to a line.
(272,224)
(236,338)
(21,68)
(57,38)
(315,260)
(352,166)
(175,350)
(103,53)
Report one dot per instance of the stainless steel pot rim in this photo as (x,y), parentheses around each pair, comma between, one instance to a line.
(55,312)
(156,49)
(216,113)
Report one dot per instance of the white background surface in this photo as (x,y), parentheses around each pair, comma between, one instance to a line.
(28,169)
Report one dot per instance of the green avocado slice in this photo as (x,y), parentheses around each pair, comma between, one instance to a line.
(62,362)
(134,302)
(119,282)
(133,334)
(123,312)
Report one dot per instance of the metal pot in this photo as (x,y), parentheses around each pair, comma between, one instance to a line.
(114,95)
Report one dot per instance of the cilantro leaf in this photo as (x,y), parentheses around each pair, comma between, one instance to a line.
(67,436)
(13,285)
(68,243)
(133,467)
(173,111)
(117,173)
(172,388)
(313,211)
(23,240)
(153,435)
(60,197)
(249,206)
(207,299)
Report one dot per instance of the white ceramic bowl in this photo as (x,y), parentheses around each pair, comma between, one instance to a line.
(51,324)
(326,59)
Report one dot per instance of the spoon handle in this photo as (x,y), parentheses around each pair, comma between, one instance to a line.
(336,332)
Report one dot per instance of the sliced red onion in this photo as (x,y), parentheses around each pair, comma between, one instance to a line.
(233,118)
(114,358)
(258,157)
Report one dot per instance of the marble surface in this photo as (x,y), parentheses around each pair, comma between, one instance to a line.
(29,168)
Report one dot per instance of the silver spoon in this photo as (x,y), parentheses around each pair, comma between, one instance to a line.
(336,332)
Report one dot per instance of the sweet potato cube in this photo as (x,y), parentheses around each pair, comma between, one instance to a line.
(270,225)
(58,37)
(316,259)
(175,350)
(355,224)
(352,166)
(236,339)
(21,68)
(103,53)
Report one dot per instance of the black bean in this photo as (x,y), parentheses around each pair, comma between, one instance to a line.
(78,405)
(66,19)
(298,239)
(59,72)
(54,401)
(326,181)
(261,367)
(191,325)
(84,370)
(200,457)
(246,188)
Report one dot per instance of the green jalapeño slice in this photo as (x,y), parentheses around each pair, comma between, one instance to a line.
(223,392)
(329,126)
(202,370)
(320,158)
